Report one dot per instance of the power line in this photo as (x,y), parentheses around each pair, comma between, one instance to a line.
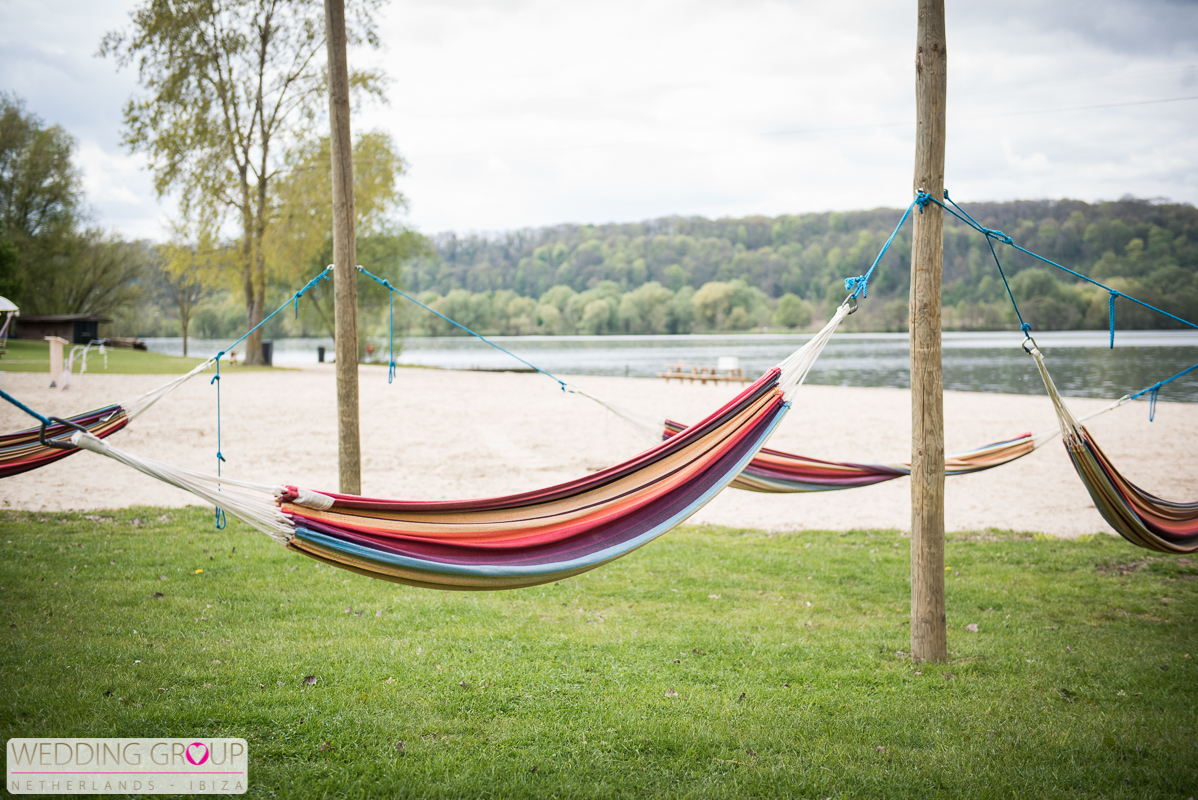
(806,131)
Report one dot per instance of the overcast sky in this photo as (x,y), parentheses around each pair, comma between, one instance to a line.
(519,113)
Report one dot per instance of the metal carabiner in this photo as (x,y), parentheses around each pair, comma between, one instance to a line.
(853,308)
(58,444)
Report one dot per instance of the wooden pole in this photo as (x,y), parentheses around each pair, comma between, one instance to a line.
(345,273)
(929,641)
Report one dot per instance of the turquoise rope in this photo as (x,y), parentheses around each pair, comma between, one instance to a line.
(387,285)
(391,364)
(1154,391)
(991,235)
(860,284)
(324,275)
(1002,237)
(24,407)
(295,298)
(220,512)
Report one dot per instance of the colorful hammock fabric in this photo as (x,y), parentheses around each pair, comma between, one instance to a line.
(522,539)
(1142,518)
(23,451)
(774,471)
(547,535)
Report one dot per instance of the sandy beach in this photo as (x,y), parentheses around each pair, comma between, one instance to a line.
(435,434)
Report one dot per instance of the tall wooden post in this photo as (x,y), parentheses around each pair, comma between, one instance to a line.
(345,273)
(929,641)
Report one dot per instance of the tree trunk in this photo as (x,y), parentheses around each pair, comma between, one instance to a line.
(928,636)
(345,274)
(184,318)
(253,303)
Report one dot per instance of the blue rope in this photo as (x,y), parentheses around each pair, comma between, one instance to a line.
(220,514)
(1155,389)
(295,298)
(24,407)
(992,235)
(387,285)
(860,284)
(324,275)
(391,364)
(1002,237)
(1114,294)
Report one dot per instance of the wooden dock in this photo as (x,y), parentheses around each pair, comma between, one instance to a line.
(688,372)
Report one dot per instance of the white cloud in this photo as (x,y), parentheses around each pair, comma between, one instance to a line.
(532,112)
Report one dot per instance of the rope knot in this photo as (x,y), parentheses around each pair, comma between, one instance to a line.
(858,286)
(922,198)
(220,457)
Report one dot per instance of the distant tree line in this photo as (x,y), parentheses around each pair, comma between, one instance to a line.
(682,274)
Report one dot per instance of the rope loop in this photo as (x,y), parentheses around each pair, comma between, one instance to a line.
(1152,395)
(859,286)
(1114,294)
(220,519)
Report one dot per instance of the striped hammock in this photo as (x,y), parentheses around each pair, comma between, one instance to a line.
(774,471)
(1138,516)
(23,450)
(523,539)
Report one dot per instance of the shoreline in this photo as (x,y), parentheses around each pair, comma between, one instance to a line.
(445,434)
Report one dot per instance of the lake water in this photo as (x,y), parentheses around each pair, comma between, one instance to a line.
(1081,362)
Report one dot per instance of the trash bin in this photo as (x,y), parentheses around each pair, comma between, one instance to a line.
(320,355)
(268,351)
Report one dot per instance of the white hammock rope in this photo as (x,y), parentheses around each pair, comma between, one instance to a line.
(143,401)
(796,366)
(253,503)
(794,371)
(1070,426)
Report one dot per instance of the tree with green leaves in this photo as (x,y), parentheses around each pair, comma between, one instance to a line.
(41,196)
(230,87)
(299,242)
(191,269)
(48,265)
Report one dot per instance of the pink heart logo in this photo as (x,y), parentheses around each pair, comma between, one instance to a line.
(201,753)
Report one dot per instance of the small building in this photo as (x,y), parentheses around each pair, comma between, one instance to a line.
(75,328)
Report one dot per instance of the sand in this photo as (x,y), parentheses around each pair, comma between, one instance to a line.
(436,434)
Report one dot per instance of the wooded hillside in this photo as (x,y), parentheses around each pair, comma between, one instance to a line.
(1144,248)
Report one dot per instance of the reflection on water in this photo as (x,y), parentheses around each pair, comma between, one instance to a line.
(1081,362)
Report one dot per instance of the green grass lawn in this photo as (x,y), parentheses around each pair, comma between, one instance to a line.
(27,356)
(712,663)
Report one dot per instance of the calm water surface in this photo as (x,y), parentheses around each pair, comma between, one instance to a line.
(1081,362)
